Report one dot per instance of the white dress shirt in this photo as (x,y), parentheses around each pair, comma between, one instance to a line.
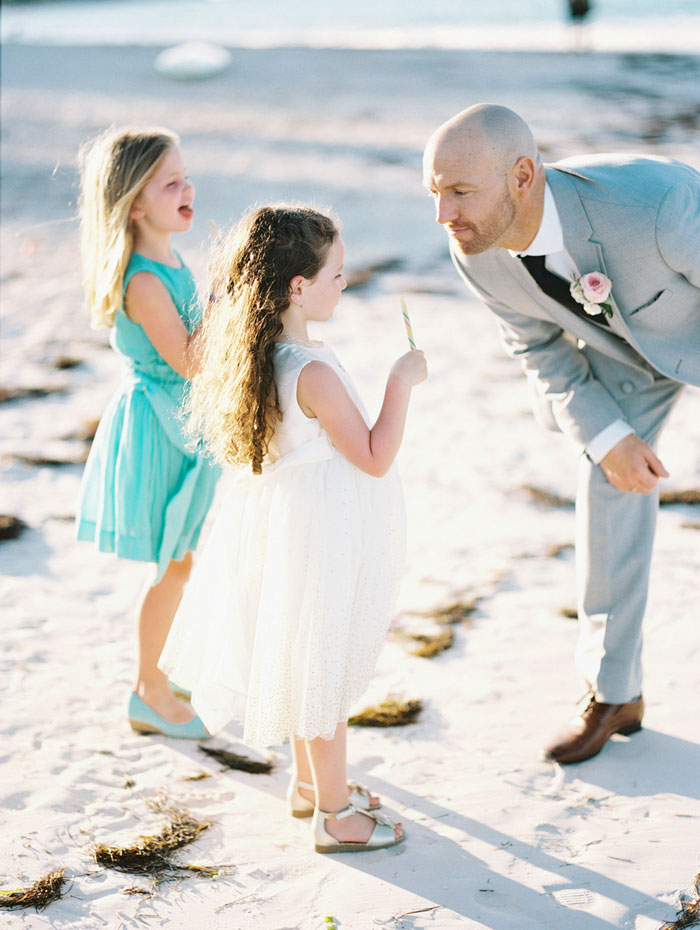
(549,242)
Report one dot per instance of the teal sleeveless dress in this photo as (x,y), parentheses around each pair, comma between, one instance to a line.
(144,495)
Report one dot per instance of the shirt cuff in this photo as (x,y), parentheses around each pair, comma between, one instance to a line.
(601,444)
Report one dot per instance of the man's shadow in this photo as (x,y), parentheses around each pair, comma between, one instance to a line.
(652,763)
(441,870)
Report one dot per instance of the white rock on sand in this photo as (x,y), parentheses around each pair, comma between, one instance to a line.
(192,61)
(496,839)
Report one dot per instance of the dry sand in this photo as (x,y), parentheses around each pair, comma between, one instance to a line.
(496,839)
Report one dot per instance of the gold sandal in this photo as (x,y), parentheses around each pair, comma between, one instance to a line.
(300,807)
(382,836)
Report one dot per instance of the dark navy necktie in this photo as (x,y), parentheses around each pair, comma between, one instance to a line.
(557,288)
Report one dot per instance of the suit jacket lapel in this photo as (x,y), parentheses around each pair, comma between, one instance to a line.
(588,256)
(579,236)
(578,232)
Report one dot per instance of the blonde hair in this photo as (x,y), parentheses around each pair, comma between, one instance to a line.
(114,169)
(232,402)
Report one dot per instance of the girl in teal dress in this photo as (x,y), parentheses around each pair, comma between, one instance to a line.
(144,494)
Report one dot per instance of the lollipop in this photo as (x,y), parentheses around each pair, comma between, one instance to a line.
(407,321)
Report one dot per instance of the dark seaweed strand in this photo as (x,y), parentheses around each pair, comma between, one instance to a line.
(233,761)
(46,890)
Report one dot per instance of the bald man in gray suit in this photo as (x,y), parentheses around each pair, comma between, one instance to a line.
(605,370)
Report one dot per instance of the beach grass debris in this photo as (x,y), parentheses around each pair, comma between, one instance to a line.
(689,913)
(545,498)
(48,461)
(690,496)
(64,362)
(11,527)
(457,611)
(7,395)
(454,612)
(233,760)
(690,525)
(392,712)
(429,645)
(360,277)
(44,891)
(243,897)
(558,549)
(152,855)
(421,910)
(198,776)
(86,431)
(569,612)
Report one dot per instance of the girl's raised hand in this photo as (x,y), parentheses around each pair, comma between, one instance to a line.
(411,367)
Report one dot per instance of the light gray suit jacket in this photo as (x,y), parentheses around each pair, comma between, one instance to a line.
(636,219)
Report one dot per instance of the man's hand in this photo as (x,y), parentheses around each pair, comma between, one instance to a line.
(632,466)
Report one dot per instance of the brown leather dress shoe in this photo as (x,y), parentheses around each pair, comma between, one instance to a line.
(588,733)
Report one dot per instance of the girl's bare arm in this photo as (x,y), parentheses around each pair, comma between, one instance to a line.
(321,394)
(148,303)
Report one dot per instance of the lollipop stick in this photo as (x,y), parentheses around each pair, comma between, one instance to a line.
(407,321)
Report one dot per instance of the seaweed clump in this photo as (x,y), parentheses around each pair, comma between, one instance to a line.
(429,645)
(45,891)
(234,761)
(7,395)
(546,498)
(48,461)
(86,431)
(455,612)
(557,549)
(11,527)
(691,496)
(390,713)
(152,855)
(689,914)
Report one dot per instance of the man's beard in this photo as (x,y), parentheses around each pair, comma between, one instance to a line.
(492,229)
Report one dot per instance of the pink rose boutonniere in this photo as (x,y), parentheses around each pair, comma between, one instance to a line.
(592,291)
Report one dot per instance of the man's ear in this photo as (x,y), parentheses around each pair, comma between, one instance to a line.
(523,175)
(295,288)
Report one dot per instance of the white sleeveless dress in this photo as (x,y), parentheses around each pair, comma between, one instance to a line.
(289,604)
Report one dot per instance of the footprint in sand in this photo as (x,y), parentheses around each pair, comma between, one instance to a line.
(574,897)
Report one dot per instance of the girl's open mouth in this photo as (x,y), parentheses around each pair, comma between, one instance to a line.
(186,211)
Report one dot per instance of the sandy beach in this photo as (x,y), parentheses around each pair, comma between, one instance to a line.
(497,840)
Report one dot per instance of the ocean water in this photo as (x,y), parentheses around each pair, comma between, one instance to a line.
(672,25)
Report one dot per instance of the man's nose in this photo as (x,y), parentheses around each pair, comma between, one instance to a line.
(444,209)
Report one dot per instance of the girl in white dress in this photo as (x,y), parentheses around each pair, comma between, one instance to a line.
(288,608)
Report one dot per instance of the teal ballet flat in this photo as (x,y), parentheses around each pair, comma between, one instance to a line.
(144,719)
(180,692)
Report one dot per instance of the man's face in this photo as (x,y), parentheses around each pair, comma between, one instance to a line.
(472,199)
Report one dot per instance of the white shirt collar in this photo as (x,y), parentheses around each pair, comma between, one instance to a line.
(550,235)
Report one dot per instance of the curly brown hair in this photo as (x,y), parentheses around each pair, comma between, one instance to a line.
(232,403)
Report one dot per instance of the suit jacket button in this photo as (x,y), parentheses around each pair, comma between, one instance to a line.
(627,387)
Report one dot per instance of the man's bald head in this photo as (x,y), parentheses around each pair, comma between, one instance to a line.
(488,131)
(485,170)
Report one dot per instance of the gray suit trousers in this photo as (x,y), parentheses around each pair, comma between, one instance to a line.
(614,537)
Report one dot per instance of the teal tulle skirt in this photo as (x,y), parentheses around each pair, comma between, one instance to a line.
(144,495)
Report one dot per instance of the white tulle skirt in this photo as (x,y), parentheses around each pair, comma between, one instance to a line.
(288,606)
